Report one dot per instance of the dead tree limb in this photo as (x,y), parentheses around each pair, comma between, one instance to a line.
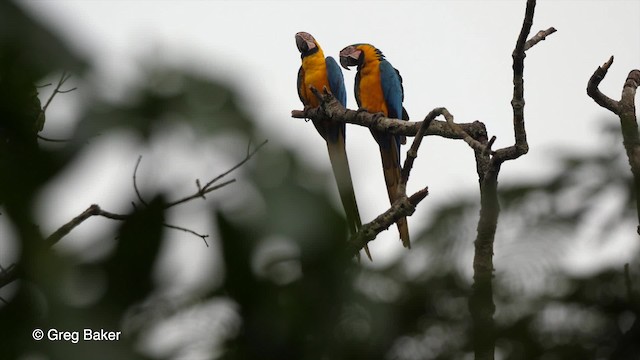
(10,274)
(488,164)
(625,109)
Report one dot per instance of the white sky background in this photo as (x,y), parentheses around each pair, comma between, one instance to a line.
(455,54)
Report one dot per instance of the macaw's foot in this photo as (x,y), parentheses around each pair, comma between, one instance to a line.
(305,111)
(377,116)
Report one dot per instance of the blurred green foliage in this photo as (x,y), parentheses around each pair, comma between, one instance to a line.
(305,299)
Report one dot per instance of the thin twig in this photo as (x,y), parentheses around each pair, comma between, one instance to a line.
(402,207)
(541,35)
(202,236)
(135,183)
(247,157)
(10,274)
(63,78)
(93,210)
(473,143)
(595,93)
(39,125)
(412,153)
(52,140)
(202,191)
(208,187)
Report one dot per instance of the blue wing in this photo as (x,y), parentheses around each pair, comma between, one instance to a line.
(393,93)
(391,89)
(300,85)
(336,80)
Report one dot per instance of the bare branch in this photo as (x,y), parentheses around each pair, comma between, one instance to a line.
(488,165)
(52,140)
(403,207)
(412,153)
(518,53)
(473,143)
(246,158)
(135,183)
(202,236)
(629,90)
(7,277)
(593,91)
(39,125)
(332,109)
(626,111)
(541,35)
(63,78)
(10,274)
(93,210)
(208,187)
(200,188)
(521,146)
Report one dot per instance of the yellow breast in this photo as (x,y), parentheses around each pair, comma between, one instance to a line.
(315,74)
(370,88)
(371,96)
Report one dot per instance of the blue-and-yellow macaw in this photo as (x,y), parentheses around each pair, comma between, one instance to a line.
(378,88)
(321,72)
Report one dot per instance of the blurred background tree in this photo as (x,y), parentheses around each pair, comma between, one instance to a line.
(283,289)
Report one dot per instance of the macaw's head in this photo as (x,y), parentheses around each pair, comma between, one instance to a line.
(306,44)
(359,54)
(351,56)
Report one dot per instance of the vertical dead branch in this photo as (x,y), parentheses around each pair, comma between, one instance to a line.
(481,304)
(626,110)
(488,163)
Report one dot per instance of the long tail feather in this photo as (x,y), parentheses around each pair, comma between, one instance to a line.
(391,168)
(342,174)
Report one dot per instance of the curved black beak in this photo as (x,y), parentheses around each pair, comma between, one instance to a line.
(350,56)
(305,42)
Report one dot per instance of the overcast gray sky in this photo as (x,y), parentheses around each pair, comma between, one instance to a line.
(455,54)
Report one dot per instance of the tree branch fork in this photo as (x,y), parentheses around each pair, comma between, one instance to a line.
(625,109)
(10,274)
